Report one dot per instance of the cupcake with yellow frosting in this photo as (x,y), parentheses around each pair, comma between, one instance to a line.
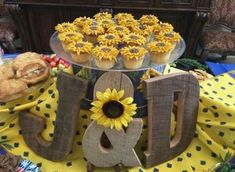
(68,37)
(105,56)
(65,27)
(106,23)
(82,21)
(119,30)
(162,27)
(149,20)
(129,23)
(144,30)
(132,56)
(133,39)
(102,15)
(160,51)
(109,39)
(79,51)
(172,37)
(123,16)
(92,32)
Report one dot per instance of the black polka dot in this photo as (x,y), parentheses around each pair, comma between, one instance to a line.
(223,88)
(40,101)
(50,91)
(215,92)
(2,124)
(69,164)
(221,99)
(200,100)
(179,159)
(229,114)
(11,125)
(212,98)
(53,123)
(208,120)
(232,129)
(16,145)
(155,170)
(37,108)
(234,142)
(30,97)
(193,168)
(77,133)
(85,126)
(221,133)
(11,110)
(189,155)
(208,126)
(45,126)
(209,84)
(214,107)
(201,86)
(227,104)
(205,110)
(216,114)
(169,165)
(51,134)
(203,162)
(198,148)
(213,154)
(209,142)
(41,90)
(195,135)
(229,96)
(26,154)
(222,123)
(47,115)
(53,95)
(20,132)
(216,79)
(3,137)
(230,83)
(48,106)
(206,93)
(184,171)
(145,127)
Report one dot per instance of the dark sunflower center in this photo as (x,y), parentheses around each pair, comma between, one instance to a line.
(106,49)
(142,27)
(169,35)
(109,37)
(118,28)
(134,50)
(79,45)
(134,37)
(105,22)
(93,28)
(113,109)
(160,44)
(70,35)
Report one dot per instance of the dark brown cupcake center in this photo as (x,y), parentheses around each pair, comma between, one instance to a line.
(161,44)
(134,37)
(134,50)
(119,28)
(109,37)
(169,35)
(106,49)
(79,45)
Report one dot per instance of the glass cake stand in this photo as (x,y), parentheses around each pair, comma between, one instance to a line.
(56,46)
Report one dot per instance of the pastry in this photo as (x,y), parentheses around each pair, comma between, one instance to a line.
(144,30)
(162,27)
(119,30)
(12,89)
(109,39)
(103,15)
(92,32)
(105,56)
(68,37)
(33,72)
(66,26)
(106,23)
(24,58)
(149,20)
(6,72)
(160,51)
(123,16)
(79,22)
(132,56)
(172,37)
(79,51)
(133,39)
(129,23)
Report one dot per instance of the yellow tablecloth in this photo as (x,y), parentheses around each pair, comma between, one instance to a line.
(214,135)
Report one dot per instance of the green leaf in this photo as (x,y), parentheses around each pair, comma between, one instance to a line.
(7,146)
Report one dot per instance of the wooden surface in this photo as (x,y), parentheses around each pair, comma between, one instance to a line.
(116,80)
(72,90)
(160,95)
(122,145)
(36,19)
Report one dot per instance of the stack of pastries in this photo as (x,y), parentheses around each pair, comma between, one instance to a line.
(18,75)
(106,37)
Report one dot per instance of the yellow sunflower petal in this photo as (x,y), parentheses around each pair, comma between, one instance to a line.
(127,100)
(118,125)
(119,95)
(96,116)
(123,121)
(97,104)
(113,94)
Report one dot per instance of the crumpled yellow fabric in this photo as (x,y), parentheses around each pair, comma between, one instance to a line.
(214,135)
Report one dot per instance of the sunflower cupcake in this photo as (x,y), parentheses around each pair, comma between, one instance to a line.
(109,39)
(172,37)
(65,27)
(123,16)
(82,21)
(105,56)
(106,23)
(119,30)
(160,51)
(132,56)
(79,51)
(68,37)
(144,30)
(162,27)
(149,20)
(129,23)
(133,39)
(102,15)
(92,32)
